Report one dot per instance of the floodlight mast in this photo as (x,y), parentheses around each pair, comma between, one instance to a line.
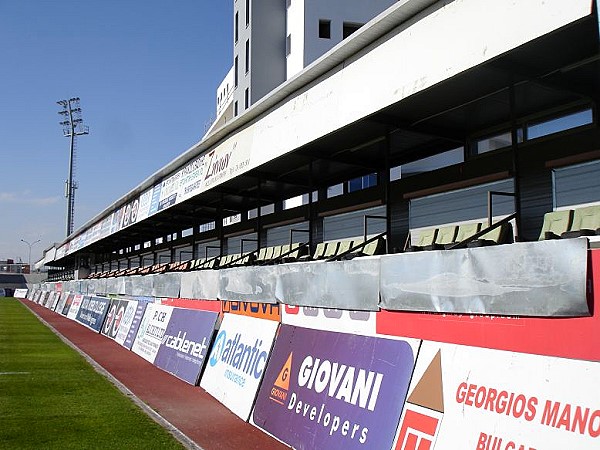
(72,127)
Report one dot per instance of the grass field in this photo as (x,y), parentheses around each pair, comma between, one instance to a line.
(51,398)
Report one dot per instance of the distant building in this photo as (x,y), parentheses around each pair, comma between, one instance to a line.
(273,40)
(9,266)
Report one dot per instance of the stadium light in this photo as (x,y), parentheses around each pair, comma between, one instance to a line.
(30,244)
(73,126)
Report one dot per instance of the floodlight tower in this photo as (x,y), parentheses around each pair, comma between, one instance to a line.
(72,127)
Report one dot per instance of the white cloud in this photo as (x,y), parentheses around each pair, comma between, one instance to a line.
(25,198)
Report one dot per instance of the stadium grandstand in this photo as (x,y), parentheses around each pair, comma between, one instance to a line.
(434,177)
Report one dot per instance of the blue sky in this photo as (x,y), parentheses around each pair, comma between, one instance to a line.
(146,72)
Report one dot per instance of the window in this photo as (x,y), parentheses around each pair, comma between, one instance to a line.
(428,164)
(247,13)
(363,182)
(237,26)
(288,45)
(350,28)
(235,109)
(333,191)
(247,55)
(558,124)
(246,98)
(235,71)
(493,143)
(325,29)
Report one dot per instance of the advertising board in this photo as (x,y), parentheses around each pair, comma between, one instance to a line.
(20,293)
(343,321)
(237,361)
(482,399)
(115,314)
(130,323)
(269,311)
(191,303)
(92,312)
(151,331)
(61,303)
(65,309)
(75,305)
(334,390)
(185,343)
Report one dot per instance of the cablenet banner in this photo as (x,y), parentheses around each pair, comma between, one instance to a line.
(481,399)
(93,311)
(151,331)
(185,343)
(326,390)
(237,361)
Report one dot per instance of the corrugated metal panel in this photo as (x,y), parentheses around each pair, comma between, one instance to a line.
(281,235)
(578,184)
(234,244)
(347,225)
(460,205)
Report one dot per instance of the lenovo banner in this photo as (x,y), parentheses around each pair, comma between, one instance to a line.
(237,361)
(481,399)
(327,390)
(185,343)
(93,311)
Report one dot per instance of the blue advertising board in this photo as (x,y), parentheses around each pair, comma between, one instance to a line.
(185,343)
(334,390)
(93,311)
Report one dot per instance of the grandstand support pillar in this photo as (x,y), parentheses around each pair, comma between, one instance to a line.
(219,227)
(384,179)
(515,157)
(195,231)
(259,214)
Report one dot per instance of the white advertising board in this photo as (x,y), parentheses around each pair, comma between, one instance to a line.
(20,293)
(151,331)
(342,321)
(75,305)
(126,321)
(237,361)
(481,399)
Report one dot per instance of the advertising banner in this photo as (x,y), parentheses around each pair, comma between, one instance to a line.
(114,317)
(61,303)
(269,311)
(65,309)
(191,303)
(185,343)
(93,311)
(55,300)
(20,293)
(75,305)
(340,320)
(190,182)
(327,390)
(130,323)
(237,361)
(482,399)
(151,331)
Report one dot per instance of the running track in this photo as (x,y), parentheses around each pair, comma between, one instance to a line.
(201,418)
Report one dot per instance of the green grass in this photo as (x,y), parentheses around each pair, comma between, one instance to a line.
(51,398)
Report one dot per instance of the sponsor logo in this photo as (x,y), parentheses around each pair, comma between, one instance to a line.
(180,343)
(417,431)
(280,389)
(217,165)
(117,321)
(269,311)
(245,358)
(109,319)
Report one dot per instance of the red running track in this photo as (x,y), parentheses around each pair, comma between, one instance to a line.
(190,409)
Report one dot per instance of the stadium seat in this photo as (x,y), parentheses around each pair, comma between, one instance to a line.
(555,224)
(502,234)
(426,239)
(465,231)
(586,222)
(445,236)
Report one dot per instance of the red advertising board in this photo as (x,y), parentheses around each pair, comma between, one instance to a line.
(565,337)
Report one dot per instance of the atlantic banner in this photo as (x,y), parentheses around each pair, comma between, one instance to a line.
(237,361)
(327,390)
(185,343)
(482,399)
